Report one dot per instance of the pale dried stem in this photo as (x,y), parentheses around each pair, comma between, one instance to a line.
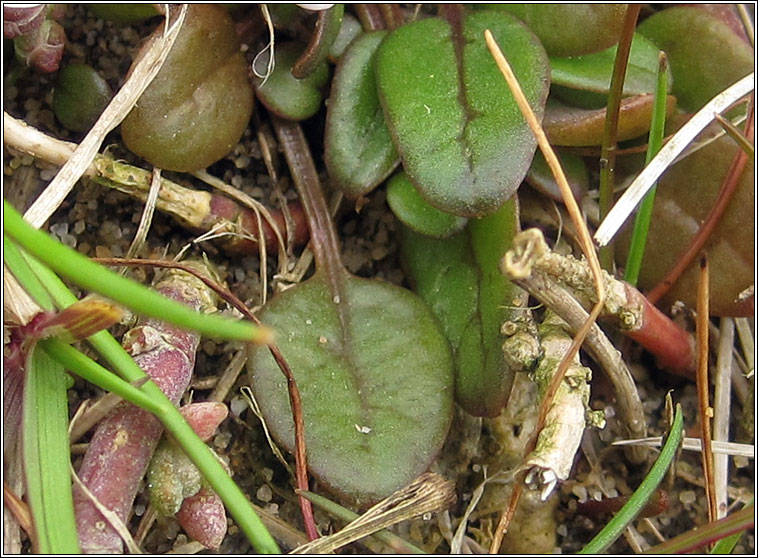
(427,494)
(94,413)
(722,411)
(561,436)
(147,215)
(584,236)
(746,340)
(229,377)
(144,71)
(650,174)
(518,265)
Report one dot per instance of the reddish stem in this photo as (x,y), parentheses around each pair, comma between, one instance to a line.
(229,210)
(123,443)
(658,334)
(728,188)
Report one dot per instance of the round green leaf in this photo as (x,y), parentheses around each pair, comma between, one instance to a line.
(414,212)
(284,94)
(459,132)
(358,149)
(374,373)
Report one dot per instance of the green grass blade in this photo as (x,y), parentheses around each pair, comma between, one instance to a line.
(700,536)
(47,456)
(157,403)
(632,508)
(645,211)
(150,397)
(24,275)
(727,544)
(140,299)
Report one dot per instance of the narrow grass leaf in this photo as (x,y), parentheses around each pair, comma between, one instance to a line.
(46,456)
(645,213)
(632,508)
(236,502)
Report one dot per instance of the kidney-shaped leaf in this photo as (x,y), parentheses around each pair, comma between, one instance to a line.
(358,149)
(459,132)
(375,376)
(459,279)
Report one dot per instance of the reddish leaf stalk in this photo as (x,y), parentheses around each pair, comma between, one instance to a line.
(728,188)
(123,443)
(658,503)
(370,17)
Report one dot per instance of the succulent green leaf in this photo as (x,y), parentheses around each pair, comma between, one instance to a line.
(284,94)
(572,126)
(414,212)
(349,30)
(375,375)
(571,29)
(704,53)
(198,105)
(125,14)
(79,97)
(459,132)
(592,72)
(459,279)
(358,149)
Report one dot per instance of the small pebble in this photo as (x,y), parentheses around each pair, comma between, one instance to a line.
(687,497)
(264,493)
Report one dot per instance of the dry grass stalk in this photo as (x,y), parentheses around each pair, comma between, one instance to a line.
(650,174)
(429,493)
(703,386)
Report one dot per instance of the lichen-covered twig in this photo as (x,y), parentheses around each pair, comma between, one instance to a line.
(519,265)
(624,305)
(561,435)
(121,447)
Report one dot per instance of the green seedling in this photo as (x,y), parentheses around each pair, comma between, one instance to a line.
(570,30)
(414,212)
(80,96)
(281,92)
(373,369)
(584,81)
(358,148)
